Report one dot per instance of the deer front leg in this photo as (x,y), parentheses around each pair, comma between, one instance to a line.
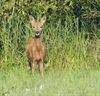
(41,67)
(33,66)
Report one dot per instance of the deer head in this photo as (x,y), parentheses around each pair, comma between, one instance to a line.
(37,25)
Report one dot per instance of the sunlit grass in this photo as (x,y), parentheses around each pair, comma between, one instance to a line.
(19,82)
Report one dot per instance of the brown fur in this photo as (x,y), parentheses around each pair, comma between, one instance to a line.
(35,49)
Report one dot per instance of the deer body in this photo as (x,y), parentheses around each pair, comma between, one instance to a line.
(35,48)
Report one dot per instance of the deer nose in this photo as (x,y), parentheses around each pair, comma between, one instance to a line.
(37,34)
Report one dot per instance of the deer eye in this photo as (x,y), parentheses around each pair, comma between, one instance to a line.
(33,27)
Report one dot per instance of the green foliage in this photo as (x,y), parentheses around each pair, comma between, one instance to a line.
(67,32)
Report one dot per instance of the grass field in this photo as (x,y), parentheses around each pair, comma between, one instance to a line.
(66,49)
(20,82)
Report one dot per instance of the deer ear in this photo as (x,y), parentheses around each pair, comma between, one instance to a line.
(42,21)
(32,20)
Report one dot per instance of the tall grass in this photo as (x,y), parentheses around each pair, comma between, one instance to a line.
(66,47)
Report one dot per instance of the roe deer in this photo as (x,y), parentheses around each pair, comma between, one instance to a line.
(35,49)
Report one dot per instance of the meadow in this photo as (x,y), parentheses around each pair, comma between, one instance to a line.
(71,64)
(19,82)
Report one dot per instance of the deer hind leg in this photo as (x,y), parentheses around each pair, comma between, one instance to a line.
(41,64)
(29,62)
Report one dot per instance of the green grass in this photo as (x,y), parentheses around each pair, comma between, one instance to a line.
(66,49)
(20,82)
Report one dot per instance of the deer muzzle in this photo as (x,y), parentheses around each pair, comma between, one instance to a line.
(37,34)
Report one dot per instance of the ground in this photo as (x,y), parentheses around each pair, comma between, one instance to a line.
(20,82)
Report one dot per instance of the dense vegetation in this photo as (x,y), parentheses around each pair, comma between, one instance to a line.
(71,33)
